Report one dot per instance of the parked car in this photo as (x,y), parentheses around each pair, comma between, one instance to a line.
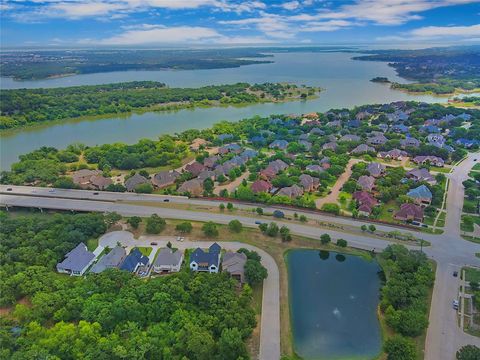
(455,273)
(455,304)
(278,214)
(95,193)
(153,243)
(166,200)
(51,190)
(180,238)
(258,222)
(9,189)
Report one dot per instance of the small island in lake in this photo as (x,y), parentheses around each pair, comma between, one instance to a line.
(380,79)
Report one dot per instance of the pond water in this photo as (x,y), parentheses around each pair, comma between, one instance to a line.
(346,83)
(333,303)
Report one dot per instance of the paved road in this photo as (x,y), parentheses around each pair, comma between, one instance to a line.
(270,322)
(449,250)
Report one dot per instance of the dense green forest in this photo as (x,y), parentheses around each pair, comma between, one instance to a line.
(436,70)
(44,64)
(112,315)
(405,296)
(31,106)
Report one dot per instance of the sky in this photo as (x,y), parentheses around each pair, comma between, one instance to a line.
(183,23)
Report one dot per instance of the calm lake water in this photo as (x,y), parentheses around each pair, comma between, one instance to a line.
(347,83)
(333,305)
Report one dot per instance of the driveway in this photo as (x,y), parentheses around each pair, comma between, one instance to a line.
(337,187)
(270,322)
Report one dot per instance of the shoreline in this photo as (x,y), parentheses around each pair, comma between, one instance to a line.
(170,107)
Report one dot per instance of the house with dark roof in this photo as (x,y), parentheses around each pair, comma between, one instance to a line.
(292,192)
(421,195)
(234,264)
(164,179)
(430,159)
(332,145)
(421,174)
(259,186)
(367,183)
(315,168)
(409,142)
(376,169)
(223,137)
(400,128)
(230,148)
(194,168)
(133,181)
(306,144)
(279,144)
(168,261)
(76,261)
(206,261)
(436,140)
(194,187)
(113,259)
(362,149)
(467,143)
(377,140)
(133,261)
(350,137)
(394,154)
(409,212)
(366,202)
(309,183)
(211,161)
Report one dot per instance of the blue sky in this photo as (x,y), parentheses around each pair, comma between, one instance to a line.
(149,23)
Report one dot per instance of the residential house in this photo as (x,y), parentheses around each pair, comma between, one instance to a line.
(431,129)
(197,144)
(430,159)
(400,128)
(230,148)
(362,149)
(316,131)
(207,261)
(409,142)
(133,261)
(467,143)
(113,259)
(376,169)
(436,140)
(350,137)
(315,168)
(394,154)
(211,161)
(356,123)
(421,174)
(194,168)
(194,187)
(206,174)
(259,186)
(164,179)
(168,261)
(292,192)
(90,179)
(82,177)
(309,183)
(421,195)
(332,145)
(100,182)
(76,261)
(367,183)
(306,144)
(234,264)
(377,140)
(279,144)
(409,212)
(133,181)
(366,202)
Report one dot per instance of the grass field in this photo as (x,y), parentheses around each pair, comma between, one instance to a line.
(472,274)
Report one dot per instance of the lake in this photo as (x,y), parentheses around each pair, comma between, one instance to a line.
(333,304)
(346,83)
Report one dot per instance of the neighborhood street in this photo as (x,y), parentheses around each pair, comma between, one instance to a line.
(449,250)
(270,323)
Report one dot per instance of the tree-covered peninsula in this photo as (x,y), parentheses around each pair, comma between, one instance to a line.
(24,107)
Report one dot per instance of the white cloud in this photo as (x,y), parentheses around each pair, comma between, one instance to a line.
(442,31)
(463,33)
(147,34)
(291,5)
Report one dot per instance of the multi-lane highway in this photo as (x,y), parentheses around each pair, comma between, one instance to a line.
(449,250)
